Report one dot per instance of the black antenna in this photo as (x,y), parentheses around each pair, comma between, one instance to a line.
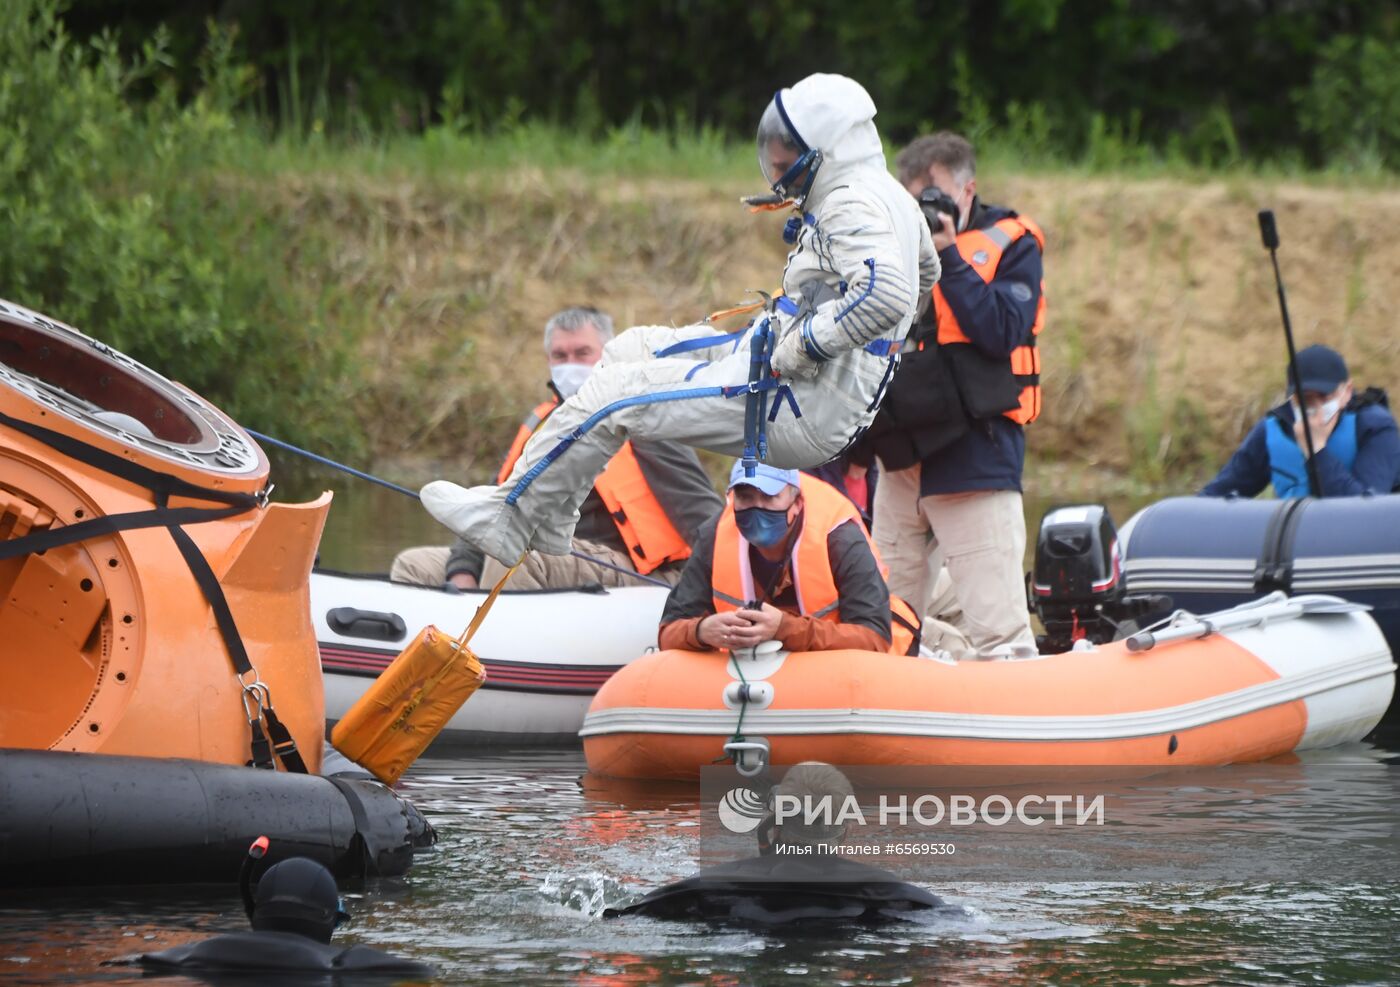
(1269,231)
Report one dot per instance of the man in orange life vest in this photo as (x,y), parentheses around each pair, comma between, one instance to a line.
(641,515)
(787,560)
(951,431)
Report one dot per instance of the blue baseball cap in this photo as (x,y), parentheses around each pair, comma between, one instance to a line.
(1321,369)
(769,479)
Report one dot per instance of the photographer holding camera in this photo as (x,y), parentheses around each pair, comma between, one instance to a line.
(950,433)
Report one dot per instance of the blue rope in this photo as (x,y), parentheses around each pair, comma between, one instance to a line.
(331,463)
(409,493)
(588,423)
(617,568)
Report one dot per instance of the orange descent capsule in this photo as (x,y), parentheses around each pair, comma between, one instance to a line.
(110,643)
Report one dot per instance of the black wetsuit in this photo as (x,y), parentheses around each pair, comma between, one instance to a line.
(778,890)
(285,953)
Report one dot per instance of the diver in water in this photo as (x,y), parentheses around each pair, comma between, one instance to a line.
(294,910)
(781,889)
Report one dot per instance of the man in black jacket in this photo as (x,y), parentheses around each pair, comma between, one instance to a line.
(951,434)
(1355,442)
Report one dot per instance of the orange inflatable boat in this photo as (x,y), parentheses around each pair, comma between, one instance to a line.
(1264,679)
(154,604)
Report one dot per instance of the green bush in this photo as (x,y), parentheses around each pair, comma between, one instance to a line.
(117,220)
(1352,105)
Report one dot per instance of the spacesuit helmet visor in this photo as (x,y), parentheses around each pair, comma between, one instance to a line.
(783,156)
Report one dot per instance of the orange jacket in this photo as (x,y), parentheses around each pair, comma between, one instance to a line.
(651,539)
(813,582)
(983,250)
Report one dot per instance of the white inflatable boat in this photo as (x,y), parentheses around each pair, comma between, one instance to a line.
(546,652)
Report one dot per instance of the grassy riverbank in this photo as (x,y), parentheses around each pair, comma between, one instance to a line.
(1162,347)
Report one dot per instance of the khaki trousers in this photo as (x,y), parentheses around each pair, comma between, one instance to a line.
(957,557)
(426,565)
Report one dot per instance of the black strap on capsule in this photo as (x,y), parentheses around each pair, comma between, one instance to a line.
(276,741)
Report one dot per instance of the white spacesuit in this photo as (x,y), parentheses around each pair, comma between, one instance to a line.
(862,260)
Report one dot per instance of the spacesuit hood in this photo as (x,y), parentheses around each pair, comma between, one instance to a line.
(836,115)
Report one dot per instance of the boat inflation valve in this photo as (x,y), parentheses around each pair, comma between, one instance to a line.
(750,755)
(758,695)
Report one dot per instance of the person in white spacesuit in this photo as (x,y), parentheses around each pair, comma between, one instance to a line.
(862,261)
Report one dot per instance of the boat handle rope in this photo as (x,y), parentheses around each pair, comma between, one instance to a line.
(266,745)
(388,485)
(738,737)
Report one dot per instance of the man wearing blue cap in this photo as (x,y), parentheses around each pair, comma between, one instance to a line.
(787,560)
(1356,446)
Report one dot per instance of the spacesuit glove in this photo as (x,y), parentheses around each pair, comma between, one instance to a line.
(790,357)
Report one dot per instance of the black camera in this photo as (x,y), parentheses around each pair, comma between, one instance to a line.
(933,200)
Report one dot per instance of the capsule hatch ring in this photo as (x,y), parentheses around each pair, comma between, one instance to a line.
(61,370)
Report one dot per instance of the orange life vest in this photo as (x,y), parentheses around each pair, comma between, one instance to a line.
(983,250)
(814,584)
(522,435)
(651,539)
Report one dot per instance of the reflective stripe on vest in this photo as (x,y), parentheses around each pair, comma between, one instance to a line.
(825,509)
(1287,464)
(651,539)
(983,250)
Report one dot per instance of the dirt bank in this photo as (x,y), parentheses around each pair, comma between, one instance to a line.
(1162,345)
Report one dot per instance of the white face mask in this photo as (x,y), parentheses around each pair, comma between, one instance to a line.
(1324,412)
(569,377)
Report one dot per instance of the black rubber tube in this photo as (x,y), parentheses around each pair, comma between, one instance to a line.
(87,819)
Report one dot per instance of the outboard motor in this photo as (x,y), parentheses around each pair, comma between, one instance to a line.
(1077,585)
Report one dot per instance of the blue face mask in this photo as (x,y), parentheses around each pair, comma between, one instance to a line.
(762,526)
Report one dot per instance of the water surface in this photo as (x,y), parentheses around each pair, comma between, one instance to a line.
(530,855)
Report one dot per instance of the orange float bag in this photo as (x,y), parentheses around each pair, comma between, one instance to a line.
(412,700)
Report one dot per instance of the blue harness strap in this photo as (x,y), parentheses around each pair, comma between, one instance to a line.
(715,391)
(757,414)
(700,343)
(587,424)
(756,402)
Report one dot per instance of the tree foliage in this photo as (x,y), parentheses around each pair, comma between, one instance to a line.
(1205,79)
(114,222)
